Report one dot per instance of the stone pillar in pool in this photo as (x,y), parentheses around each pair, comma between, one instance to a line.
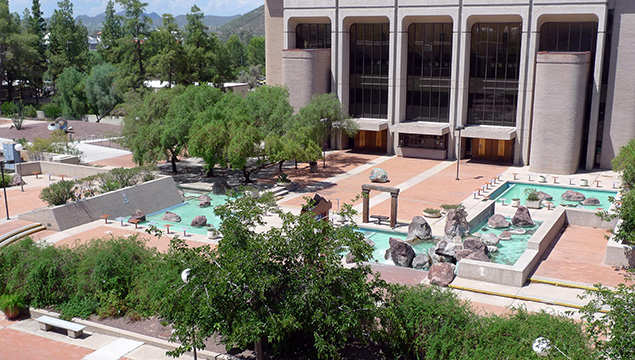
(558,120)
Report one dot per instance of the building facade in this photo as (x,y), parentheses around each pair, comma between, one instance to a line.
(544,83)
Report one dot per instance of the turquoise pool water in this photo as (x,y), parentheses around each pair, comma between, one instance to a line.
(188,211)
(509,251)
(512,190)
(380,238)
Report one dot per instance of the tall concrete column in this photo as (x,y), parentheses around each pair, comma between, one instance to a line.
(559,102)
(274,33)
(306,72)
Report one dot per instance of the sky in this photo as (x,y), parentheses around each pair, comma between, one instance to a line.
(174,7)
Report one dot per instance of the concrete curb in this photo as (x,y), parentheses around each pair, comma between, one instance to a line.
(113,331)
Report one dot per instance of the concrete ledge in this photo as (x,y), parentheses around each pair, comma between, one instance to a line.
(149,197)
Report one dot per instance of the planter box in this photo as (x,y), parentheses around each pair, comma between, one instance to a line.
(515,202)
(533,204)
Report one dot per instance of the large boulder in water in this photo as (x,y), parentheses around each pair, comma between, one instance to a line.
(522,217)
(489,239)
(204,204)
(421,261)
(220,187)
(199,221)
(419,229)
(571,195)
(591,201)
(498,221)
(475,244)
(441,274)
(401,252)
(204,197)
(544,196)
(448,248)
(170,216)
(138,215)
(378,175)
(456,223)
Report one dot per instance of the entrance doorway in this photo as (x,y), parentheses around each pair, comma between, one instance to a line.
(373,141)
(490,149)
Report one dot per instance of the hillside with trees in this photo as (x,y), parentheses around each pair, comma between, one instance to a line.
(246,26)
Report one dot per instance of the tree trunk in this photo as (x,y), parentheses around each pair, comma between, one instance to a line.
(210,171)
(280,166)
(246,174)
(258,350)
(173,160)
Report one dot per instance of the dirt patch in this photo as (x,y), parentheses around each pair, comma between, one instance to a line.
(82,130)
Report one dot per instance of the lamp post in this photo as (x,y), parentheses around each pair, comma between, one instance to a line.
(18,148)
(324,123)
(458,151)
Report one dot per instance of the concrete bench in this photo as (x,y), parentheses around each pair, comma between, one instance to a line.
(73,330)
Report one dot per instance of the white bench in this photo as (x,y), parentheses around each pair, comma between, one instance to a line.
(73,330)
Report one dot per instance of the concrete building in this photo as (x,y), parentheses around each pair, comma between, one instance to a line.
(544,83)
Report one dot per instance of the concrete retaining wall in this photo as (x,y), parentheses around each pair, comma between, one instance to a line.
(55,168)
(618,254)
(44,156)
(149,197)
(516,275)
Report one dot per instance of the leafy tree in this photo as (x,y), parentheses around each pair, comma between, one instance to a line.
(14,44)
(613,331)
(207,57)
(169,62)
(209,139)
(101,89)
(181,116)
(71,88)
(236,51)
(68,41)
(111,35)
(285,288)
(133,54)
(256,51)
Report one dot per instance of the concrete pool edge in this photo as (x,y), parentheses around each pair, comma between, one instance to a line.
(517,274)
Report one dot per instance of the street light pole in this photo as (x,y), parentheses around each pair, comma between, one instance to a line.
(324,121)
(458,152)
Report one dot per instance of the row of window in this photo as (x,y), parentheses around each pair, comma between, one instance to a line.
(494,66)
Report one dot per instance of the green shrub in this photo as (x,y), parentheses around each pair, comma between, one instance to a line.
(511,336)
(6,180)
(425,323)
(29,111)
(52,110)
(532,194)
(59,193)
(448,207)
(11,300)
(8,108)
(81,307)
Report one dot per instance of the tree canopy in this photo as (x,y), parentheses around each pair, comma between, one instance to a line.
(285,287)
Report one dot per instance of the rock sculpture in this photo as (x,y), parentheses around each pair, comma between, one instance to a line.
(419,229)
(498,221)
(571,195)
(378,175)
(522,217)
(170,216)
(441,274)
(137,215)
(456,223)
(401,252)
(199,221)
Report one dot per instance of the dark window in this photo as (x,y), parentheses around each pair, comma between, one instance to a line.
(568,36)
(423,141)
(429,68)
(494,69)
(369,71)
(313,36)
